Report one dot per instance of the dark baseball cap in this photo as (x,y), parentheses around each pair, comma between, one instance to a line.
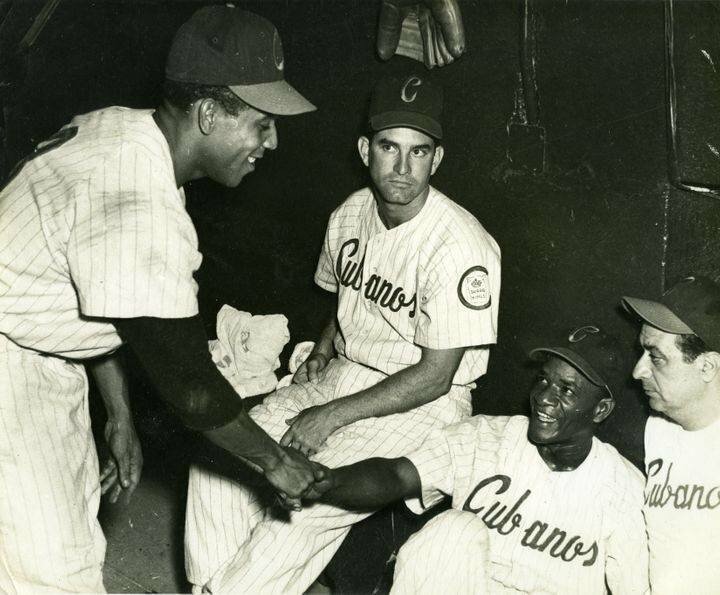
(595,353)
(225,46)
(692,306)
(408,102)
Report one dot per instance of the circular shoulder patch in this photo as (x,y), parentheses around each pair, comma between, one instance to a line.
(474,288)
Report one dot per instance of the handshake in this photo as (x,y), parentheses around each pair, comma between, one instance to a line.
(295,477)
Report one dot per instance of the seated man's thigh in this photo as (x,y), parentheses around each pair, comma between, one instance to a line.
(450,554)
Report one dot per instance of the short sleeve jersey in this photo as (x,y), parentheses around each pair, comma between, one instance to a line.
(92,227)
(433,281)
(682,507)
(550,531)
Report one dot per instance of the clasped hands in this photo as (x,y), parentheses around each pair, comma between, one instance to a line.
(298,477)
(307,433)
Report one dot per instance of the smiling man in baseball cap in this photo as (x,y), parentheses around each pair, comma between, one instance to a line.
(119,269)
(225,85)
(680,372)
(539,504)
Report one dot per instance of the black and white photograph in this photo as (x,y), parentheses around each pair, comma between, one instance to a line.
(360,297)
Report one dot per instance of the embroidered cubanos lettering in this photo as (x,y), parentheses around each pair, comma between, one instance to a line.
(375,289)
(538,535)
(661,491)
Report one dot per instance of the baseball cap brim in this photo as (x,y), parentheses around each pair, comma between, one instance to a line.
(277,98)
(657,315)
(576,360)
(397,119)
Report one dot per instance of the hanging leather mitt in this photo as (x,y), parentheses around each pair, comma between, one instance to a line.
(430,31)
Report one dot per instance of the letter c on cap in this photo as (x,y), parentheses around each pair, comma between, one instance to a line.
(579,334)
(410,97)
(277,52)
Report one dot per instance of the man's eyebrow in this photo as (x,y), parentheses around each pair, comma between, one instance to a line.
(385,140)
(650,346)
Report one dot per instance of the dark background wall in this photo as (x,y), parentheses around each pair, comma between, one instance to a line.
(601,222)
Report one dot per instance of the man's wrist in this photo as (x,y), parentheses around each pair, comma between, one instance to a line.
(121,418)
(272,460)
(336,412)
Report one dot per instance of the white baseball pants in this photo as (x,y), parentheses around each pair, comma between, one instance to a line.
(50,538)
(236,545)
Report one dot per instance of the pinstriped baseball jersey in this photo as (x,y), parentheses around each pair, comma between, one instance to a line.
(93,225)
(433,281)
(550,531)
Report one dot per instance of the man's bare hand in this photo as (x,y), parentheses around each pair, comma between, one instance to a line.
(312,369)
(121,472)
(292,475)
(323,482)
(320,486)
(309,429)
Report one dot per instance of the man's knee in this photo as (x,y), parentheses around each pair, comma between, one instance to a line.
(447,531)
(449,554)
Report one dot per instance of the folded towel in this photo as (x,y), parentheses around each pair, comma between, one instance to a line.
(247,350)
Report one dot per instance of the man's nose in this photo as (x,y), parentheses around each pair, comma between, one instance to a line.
(546,396)
(402,165)
(640,370)
(271,138)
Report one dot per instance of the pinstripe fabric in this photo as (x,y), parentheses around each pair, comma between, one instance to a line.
(549,531)
(397,290)
(92,226)
(95,227)
(421,261)
(286,556)
(50,539)
(423,568)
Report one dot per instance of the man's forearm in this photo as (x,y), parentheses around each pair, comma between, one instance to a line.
(407,389)
(175,356)
(112,385)
(372,484)
(325,344)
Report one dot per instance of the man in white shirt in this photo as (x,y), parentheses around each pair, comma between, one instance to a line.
(539,505)
(417,279)
(680,372)
(96,250)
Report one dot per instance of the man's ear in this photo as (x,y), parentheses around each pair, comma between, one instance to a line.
(710,365)
(206,115)
(437,158)
(364,149)
(603,408)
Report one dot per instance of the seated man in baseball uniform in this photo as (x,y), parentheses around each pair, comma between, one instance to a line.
(539,505)
(418,282)
(96,249)
(680,372)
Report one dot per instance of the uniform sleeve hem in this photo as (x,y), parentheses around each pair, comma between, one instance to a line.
(326,286)
(450,344)
(153,312)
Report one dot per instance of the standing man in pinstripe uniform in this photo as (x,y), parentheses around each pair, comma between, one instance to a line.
(96,247)
(539,505)
(418,282)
